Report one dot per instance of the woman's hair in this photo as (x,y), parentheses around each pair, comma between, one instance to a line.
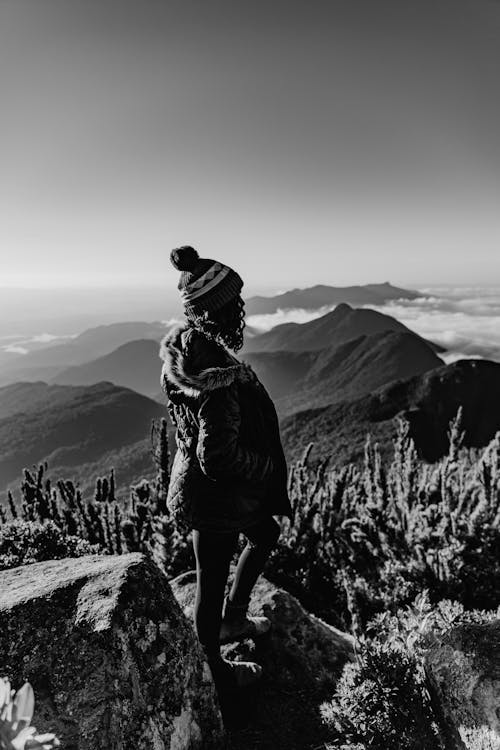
(225,325)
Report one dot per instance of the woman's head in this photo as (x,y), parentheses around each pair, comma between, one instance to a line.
(211,293)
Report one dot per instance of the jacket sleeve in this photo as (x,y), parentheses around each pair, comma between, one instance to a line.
(219,451)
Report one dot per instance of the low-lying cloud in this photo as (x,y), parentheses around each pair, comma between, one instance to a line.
(266,321)
(465,320)
(26,344)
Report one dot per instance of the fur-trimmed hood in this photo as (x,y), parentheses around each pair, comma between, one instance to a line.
(178,368)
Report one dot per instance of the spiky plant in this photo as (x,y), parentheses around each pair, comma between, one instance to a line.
(107,525)
(16,713)
(371,537)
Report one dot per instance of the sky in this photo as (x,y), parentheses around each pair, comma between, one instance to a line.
(334,141)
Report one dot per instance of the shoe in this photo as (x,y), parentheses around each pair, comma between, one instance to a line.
(238,625)
(231,674)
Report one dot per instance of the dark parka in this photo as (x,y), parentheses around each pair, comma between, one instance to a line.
(229,470)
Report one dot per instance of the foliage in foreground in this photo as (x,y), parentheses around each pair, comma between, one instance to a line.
(370,539)
(25,542)
(52,521)
(365,543)
(16,713)
(384,701)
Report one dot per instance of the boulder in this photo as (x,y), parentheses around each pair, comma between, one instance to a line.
(302,657)
(463,667)
(113,662)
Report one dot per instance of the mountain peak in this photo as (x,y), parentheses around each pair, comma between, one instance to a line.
(343,307)
(341,324)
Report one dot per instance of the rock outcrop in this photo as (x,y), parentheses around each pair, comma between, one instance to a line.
(302,659)
(463,667)
(113,661)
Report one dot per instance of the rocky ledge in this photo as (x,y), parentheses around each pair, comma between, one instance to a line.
(114,663)
(302,658)
(463,667)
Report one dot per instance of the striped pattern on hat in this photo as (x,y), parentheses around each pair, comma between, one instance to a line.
(204,283)
(208,286)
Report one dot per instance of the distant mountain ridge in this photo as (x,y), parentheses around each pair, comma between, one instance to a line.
(70,426)
(135,365)
(89,345)
(428,401)
(315,297)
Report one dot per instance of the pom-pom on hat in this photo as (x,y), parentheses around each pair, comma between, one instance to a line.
(205,285)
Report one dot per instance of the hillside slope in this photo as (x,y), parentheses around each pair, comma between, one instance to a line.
(359,366)
(342,324)
(429,402)
(135,365)
(70,426)
(89,345)
(281,372)
(315,297)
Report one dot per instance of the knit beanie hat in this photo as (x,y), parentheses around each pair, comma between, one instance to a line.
(205,285)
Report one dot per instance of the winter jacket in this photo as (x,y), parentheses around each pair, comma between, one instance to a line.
(229,469)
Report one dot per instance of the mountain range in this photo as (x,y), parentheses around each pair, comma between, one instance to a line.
(46,362)
(334,378)
(316,297)
(343,353)
(45,358)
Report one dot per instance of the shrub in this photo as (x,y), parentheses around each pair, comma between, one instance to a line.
(52,520)
(24,542)
(383,701)
(369,539)
(380,704)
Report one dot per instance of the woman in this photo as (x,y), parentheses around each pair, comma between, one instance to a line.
(229,474)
